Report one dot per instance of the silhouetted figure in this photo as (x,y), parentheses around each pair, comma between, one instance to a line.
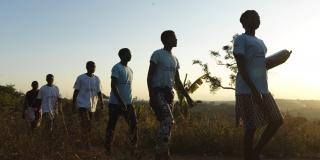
(49,99)
(87,93)
(255,105)
(120,103)
(162,76)
(31,112)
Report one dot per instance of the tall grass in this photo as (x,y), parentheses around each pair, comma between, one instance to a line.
(205,133)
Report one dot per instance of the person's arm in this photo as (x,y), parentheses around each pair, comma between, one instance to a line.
(244,74)
(99,92)
(74,98)
(100,100)
(151,71)
(115,91)
(59,100)
(180,87)
(25,105)
(39,100)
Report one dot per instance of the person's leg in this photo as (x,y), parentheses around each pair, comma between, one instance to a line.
(46,133)
(273,115)
(89,127)
(246,110)
(85,125)
(266,136)
(34,122)
(164,133)
(248,143)
(131,120)
(113,118)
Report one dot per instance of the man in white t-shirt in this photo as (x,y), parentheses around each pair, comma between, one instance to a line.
(87,93)
(255,105)
(162,76)
(49,99)
(120,103)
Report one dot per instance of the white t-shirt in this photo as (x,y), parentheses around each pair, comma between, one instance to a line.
(167,66)
(49,98)
(124,76)
(88,88)
(254,51)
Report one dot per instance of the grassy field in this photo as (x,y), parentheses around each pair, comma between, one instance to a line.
(209,133)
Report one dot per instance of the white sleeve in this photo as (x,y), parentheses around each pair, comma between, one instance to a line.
(77,84)
(40,94)
(239,46)
(265,47)
(115,72)
(154,58)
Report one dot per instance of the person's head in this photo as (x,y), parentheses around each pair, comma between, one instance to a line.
(50,79)
(34,85)
(250,20)
(168,38)
(91,67)
(124,54)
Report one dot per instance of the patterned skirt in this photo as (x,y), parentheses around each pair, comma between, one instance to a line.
(255,116)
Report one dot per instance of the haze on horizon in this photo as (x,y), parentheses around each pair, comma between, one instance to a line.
(59,37)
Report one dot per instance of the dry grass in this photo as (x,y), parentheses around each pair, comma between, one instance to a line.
(206,134)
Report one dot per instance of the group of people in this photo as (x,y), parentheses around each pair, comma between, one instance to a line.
(255,105)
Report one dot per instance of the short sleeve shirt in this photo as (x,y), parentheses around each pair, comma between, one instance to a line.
(49,96)
(167,66)
(88,88)
(124,76)
(254,51)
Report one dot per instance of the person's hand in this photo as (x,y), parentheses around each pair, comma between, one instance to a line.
(74,107)
(101,104)
(124,107)
(152,99)
(190,101)
(257,97)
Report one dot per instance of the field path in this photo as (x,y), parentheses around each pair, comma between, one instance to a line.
(97,153)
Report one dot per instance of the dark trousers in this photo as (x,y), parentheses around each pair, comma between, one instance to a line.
(47,134)
(85,123)
(115,111)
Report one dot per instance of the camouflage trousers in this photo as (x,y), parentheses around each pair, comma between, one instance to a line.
(162,106)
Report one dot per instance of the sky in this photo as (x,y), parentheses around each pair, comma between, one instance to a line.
(38,37)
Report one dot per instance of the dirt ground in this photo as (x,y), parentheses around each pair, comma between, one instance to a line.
(98,154)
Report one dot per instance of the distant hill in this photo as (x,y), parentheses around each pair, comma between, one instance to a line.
(305,108)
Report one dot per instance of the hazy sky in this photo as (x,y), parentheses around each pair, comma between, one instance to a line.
(58,36)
